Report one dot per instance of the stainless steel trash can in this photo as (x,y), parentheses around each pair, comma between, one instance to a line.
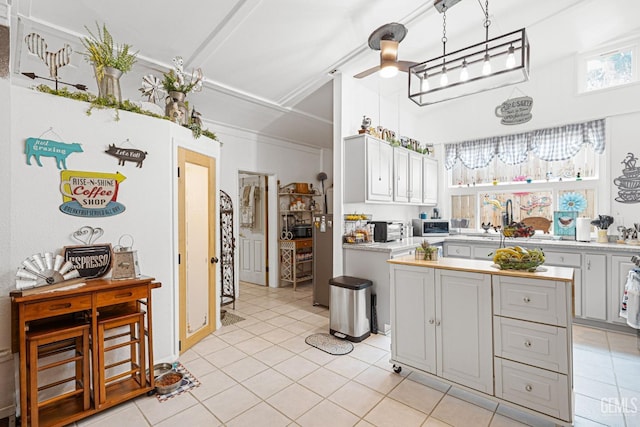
(349,307)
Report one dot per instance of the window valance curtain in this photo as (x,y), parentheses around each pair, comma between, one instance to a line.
(559,143)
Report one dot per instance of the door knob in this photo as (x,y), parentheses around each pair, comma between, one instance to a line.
(214,260)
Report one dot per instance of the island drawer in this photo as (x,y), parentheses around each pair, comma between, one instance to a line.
(535,344)
(562,259)
(460,251)
(542,301)
(534,388)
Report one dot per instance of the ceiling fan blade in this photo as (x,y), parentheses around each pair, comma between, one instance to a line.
(366,73)
(404,65)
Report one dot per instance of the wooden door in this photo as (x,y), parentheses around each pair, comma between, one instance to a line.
(197,237)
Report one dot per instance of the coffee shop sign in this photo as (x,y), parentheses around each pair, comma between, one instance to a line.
(515,111)
(90,194)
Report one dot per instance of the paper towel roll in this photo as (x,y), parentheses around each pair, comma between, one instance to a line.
(583,229)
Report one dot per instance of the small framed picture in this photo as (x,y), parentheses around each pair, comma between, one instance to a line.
(564,223)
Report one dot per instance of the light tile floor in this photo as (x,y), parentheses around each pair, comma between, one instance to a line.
(260,372)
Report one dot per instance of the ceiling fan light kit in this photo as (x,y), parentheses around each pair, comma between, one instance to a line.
(490,64)
(386,39)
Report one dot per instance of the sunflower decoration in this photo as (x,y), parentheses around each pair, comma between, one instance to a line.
(573,202)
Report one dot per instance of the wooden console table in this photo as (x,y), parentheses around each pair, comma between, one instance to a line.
(90,297)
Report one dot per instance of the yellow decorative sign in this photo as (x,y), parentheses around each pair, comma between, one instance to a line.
(90,194)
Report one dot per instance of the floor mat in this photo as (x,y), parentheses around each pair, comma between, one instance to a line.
(230,319)
(329,344)
(188,382)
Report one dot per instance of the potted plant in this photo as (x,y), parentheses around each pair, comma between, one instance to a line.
(426,252)
(177,87)
(110,60)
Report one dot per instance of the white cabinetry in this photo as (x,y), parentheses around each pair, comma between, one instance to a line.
(400,175)
(375,172)
(567,259)
(620,267)
(429,181)
(441,320)
(368,170)
(594,286)
(532,341)
(415,178)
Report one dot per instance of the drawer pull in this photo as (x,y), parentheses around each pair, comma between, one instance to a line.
(437,323)
(526,299)
(527,343)
(431,321)
(59,306)
(528,387)
(124,295)
(561,259)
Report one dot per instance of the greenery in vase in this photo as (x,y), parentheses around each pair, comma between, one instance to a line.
(172,81)
(103,52)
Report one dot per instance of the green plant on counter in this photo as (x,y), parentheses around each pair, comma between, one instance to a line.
(103,52)
(126,105)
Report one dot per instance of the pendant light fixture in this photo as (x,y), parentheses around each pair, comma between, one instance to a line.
(489,64)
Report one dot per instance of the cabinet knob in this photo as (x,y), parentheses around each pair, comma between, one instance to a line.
(437,323)
(431,321)
(526,299)
(589,265)
(561,259)
(528,387)
(527,343)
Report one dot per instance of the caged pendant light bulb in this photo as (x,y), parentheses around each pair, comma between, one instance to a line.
(464,73)
(488,64)
(511,58)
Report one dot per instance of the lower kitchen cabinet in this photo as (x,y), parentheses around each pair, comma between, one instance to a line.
(620,267)
(441,323)
(594,286)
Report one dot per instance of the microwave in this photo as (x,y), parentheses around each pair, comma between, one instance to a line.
(387,231)
(427,227)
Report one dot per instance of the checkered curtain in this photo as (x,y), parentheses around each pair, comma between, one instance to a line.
(559,143)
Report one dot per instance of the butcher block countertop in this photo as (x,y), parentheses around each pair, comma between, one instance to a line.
(544,272)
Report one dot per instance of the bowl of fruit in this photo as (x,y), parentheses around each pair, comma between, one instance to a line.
(518,258)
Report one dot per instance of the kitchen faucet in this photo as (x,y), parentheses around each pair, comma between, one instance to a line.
(507,217)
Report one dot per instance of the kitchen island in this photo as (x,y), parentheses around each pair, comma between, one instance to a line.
(503,334)
(368,261)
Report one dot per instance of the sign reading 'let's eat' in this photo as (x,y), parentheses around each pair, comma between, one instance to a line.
(90,194)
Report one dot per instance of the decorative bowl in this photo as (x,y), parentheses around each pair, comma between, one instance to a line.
(515,264)
(169,382)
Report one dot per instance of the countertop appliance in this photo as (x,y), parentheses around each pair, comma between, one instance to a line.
(302,231)
(428,227)
(387,231)
(322,257)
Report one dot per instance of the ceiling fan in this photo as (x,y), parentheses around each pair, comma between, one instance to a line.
(386,39)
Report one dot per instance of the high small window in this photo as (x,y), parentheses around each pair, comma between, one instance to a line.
(608,67)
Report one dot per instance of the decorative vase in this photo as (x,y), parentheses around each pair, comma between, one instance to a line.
(420,255)
(176,109)
(602,236)
(109,85)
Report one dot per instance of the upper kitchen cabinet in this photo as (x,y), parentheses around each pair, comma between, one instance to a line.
(368,170)
(375,172)
(429,181)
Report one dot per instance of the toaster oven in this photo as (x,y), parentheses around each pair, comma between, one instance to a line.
(387,231)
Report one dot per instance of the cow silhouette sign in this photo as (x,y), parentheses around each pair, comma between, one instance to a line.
(39,147)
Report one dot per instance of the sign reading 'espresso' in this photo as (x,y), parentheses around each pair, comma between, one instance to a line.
(90,260)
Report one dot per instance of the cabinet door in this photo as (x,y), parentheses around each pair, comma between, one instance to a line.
(379,170)
(415,178)
(413,317)
(464,328)
(620,267)
(594,287)
(429,181)
(400,175)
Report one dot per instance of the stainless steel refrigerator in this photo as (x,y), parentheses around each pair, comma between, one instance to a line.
(322,257)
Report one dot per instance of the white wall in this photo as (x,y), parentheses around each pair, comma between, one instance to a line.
(148,193)
(244,151)
(555,102)
(6,358)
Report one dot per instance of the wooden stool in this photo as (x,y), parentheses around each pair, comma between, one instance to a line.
(135,340)
(50,342)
